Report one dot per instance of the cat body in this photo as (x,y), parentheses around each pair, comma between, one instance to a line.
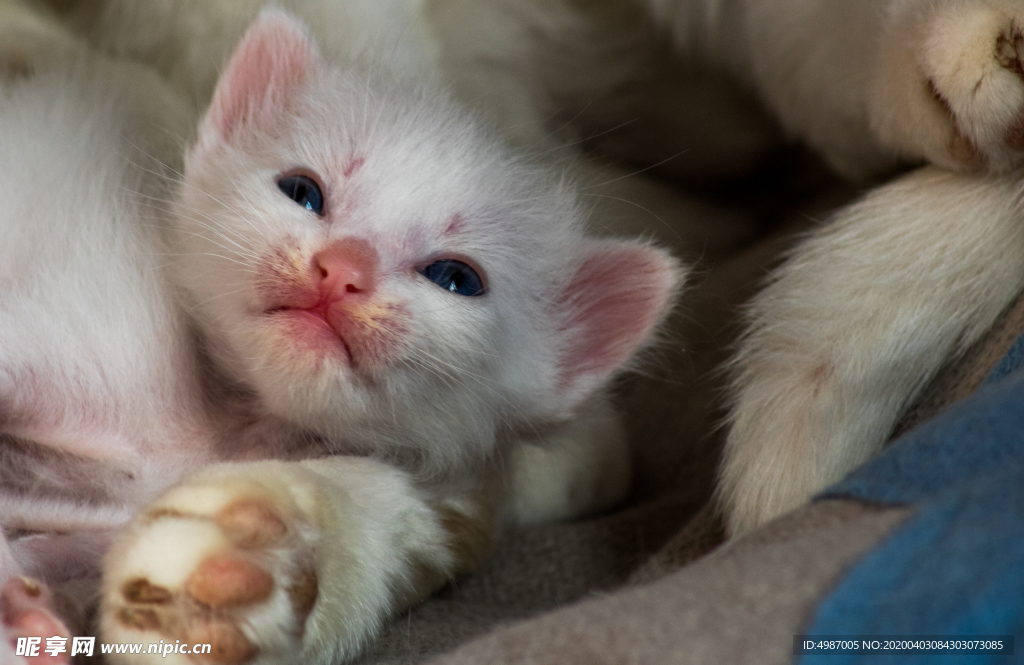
(376,302)
(870,306)
(101,406)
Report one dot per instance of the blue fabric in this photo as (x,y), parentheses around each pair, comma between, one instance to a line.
(957,566)
(1010,363)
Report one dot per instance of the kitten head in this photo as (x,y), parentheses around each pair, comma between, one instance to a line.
(379,268)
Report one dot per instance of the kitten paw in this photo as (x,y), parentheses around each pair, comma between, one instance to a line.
(25,605)
(972,55)
(232,567)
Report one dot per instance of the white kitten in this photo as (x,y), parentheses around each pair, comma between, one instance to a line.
(374,264)
(372,271)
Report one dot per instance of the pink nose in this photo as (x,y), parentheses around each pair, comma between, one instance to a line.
(347,267)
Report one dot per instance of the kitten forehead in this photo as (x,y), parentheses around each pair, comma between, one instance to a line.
(401,162)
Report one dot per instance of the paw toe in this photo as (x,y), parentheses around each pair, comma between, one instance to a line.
(224,563)
(251,524)
(26,612)
(225,581)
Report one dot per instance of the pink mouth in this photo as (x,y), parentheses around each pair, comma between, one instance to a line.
(311,327)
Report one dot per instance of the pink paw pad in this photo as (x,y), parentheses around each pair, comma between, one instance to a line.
(224,588)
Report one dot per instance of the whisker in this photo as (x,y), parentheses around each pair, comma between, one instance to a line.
(638,172)
(668,226)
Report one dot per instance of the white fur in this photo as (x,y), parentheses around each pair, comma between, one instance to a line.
(190,40)
(95,362)
(856,323)
(98,360)
(580,469)
(464,381)
(870,85)
(94,357)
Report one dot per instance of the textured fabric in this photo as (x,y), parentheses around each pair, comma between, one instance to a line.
(964,375)
(1011,363)
(966,445)
(741,604)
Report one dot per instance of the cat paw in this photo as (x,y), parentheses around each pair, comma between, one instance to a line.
(26,610)
(230,565)
(972,55)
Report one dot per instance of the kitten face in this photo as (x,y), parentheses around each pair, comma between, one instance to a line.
(379,268)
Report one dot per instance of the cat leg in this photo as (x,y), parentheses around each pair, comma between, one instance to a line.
(277,562)
(581,468)
(855,324)
(949,84)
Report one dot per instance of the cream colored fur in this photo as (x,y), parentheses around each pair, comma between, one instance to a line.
(855,324)
(372,541)
(870,306)
(873,83)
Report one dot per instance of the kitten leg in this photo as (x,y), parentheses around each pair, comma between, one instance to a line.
(949,84)
(855,324)
(276,562)
(579,469)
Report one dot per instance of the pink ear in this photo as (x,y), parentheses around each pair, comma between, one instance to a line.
(617,296)
(273,61)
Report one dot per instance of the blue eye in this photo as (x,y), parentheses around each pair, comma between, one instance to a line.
(454,276)
(304,191)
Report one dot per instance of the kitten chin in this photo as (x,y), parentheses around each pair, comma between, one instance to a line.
(380,267)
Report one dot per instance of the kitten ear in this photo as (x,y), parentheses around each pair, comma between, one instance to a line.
(272,63)
(618,294)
